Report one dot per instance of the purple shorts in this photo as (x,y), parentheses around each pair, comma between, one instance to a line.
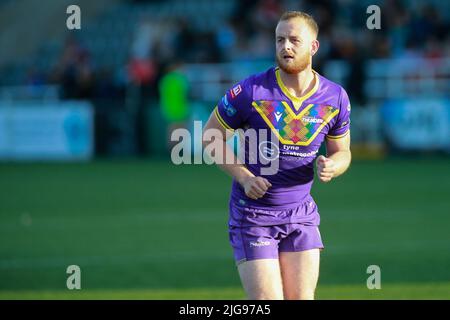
(265,242)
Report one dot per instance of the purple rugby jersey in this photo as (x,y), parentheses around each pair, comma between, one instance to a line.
(300,124)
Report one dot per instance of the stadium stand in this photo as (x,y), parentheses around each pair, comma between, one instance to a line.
(125,47)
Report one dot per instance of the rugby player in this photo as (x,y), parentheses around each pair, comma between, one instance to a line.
(273,220)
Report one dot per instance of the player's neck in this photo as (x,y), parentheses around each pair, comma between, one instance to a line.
(300,83)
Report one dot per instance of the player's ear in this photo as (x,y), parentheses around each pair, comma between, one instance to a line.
(314,46)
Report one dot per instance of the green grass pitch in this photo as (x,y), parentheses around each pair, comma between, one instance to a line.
(153,230)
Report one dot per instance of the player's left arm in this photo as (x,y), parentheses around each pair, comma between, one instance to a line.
(337,160)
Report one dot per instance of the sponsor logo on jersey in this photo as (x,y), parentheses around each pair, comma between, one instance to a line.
(268,150)
(312,120)
(294,151)
(235,91)
(278,115)
(228,107)
(225,100)
(259,243)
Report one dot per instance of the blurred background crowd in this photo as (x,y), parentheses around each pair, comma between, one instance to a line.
(145,64)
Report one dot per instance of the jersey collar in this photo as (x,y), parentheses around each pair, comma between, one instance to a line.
(296,101)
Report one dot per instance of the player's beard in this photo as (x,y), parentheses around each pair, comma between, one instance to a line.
(298,65)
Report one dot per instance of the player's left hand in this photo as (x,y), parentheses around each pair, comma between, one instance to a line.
(325,168)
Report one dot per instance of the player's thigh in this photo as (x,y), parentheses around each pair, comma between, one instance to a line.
(261,279)
(300,273)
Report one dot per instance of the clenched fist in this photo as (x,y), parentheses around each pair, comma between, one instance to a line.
(255,187)
(325,168)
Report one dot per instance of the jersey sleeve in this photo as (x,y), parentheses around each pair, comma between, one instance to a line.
(234,108)
(342,125)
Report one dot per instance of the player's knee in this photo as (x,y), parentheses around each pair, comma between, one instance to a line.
(265,291)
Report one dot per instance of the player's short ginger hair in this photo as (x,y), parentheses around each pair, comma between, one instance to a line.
(306,18)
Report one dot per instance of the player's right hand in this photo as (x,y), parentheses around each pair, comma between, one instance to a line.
(255,187)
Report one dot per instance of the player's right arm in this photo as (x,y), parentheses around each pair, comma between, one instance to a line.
(255,187)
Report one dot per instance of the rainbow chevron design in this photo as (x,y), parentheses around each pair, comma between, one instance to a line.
(294,129)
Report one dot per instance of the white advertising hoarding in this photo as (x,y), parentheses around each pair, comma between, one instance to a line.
(58,131)
(417,124)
